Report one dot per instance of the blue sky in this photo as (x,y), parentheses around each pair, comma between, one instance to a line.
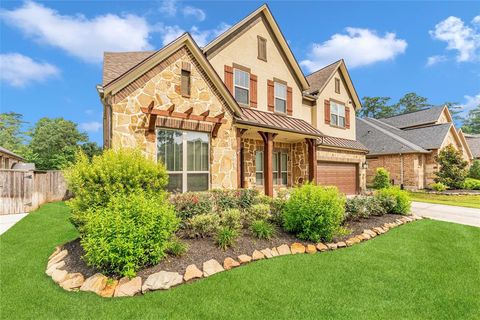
(51,52)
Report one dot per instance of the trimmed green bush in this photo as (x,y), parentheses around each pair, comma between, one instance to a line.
(474,171)
(363,207)
(247,197)
(314,212)
(225,199)
(402,200)
(258,211)
(128,232)
(226,237)
(93,183)
(381,179)
(262,229)
(472,184)
(190,204)
(438,186)
(231,218)
(202,225)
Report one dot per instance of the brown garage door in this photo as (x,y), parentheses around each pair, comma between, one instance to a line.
(342,175)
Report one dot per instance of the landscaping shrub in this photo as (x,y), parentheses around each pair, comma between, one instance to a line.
(202,225)
(402,200)
(190,204)
(176,247)
(226,237)
(258,211)
(453,170)
(231,218)
(262,229)
(225,199)
(93,183)
(314,212)
(381,179)
(474,171)
(472,184)
(128,232)
(247,197)
(363,207)
(438,186)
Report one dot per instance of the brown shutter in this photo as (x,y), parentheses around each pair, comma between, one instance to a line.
(270,96)
(289,101)
(327,111)
(229,78)
(347,117)
(253,91)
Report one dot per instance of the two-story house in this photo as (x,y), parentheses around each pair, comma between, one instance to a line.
(238,113)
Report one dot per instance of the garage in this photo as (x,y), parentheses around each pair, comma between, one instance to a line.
(341,175)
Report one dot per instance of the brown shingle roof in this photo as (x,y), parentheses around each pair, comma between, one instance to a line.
(474,144)
(319,78)
(276,121)
(341,143)
(117,63)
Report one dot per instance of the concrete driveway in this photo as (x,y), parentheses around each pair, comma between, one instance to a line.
(7,221)
(461,215)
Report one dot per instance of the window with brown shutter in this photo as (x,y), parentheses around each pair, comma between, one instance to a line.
(253,91)
(270,96)
(327,111)
(337,85)
(347,117)
(289,101)
(229,78)
(262,48)
(185,84)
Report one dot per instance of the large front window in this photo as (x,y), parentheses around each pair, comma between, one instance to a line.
(280,97)
(242,86)
(279,168)
(185,155)
(337,114)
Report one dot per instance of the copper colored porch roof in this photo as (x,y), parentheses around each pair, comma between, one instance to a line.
(341,143)
(277,121)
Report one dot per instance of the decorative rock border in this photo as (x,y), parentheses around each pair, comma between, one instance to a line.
(164,280)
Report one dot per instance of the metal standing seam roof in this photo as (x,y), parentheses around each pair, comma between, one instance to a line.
(342,143)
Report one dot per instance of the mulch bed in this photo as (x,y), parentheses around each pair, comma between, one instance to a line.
(201,250)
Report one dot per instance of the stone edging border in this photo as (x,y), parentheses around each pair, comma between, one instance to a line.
(163,280)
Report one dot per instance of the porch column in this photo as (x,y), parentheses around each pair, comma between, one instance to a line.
(240,133)
(267,161)
(312,160)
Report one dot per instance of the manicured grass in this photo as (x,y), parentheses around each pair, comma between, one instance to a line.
(469,201)
(423,270)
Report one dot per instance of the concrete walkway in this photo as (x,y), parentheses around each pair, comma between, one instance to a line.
(7,221)
(461,215)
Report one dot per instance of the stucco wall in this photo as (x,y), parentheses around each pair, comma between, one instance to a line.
(319,110)
(129,124)
(243,51)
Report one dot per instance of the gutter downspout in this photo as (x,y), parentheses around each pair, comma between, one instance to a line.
(401,171)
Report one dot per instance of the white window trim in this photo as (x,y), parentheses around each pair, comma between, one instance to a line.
(263,168)
(275,96)
(185,171)
(242,87)
(339,105)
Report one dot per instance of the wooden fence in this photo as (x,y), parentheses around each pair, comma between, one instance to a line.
(24,191)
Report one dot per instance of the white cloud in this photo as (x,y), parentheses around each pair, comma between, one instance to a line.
(435,59)
(197,13)
(205,36)
(470,102)
(169,33)
(459,37)
(93,126)
(18,70)
(89,112)
(79,36)
(359,47)
(169,7)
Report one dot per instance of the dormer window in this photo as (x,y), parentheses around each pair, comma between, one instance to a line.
(280,97)
(241,86)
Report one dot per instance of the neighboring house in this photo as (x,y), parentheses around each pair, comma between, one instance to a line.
(473,141)
(238,113)
(8,159)
(406,145)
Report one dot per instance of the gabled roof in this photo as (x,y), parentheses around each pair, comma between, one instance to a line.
(474,144)
(117,63)
(276,121)
(264,11)
(11,153)
(417,118)
(380,140)
(152,60)
(319,79)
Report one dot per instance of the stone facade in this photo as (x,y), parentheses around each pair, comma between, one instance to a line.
(129,124)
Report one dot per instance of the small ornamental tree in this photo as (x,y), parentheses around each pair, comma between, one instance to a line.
(453,169)
(381,179)
(474,171)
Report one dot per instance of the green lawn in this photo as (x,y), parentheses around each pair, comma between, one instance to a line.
(423,270)
(469,201)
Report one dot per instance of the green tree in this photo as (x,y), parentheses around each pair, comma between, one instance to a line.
(54,142)
(474,171)
(453,168)
(91,149)
(376,107)
(11,135)
(381,179)
(411,102)
(472,122)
